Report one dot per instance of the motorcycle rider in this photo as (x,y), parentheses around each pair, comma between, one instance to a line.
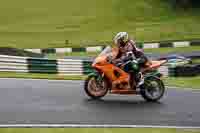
(126,46)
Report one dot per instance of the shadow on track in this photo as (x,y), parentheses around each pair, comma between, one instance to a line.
(126,104)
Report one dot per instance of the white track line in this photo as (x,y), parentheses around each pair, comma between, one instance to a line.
(91,126)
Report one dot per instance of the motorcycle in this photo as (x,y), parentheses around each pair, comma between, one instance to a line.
(100,82)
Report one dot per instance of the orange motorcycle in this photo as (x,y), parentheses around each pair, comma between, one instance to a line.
(107,77)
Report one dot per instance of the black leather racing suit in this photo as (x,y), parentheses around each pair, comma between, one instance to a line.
(130,46)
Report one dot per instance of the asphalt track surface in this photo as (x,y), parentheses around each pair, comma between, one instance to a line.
(27,101)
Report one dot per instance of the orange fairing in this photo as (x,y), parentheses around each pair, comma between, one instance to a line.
(108,70)
(100,60)
(102,65)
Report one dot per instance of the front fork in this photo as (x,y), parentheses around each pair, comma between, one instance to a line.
(154,73)
(100,77)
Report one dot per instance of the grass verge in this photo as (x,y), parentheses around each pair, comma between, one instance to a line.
(185,82)
(44,24)
(173,50)
(96,130)
(152,50)
(196,61)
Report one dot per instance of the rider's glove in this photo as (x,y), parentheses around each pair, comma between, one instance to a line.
(142,59)
(109,59)
(128,58)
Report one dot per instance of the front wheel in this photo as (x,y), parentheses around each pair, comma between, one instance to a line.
(95,88)
(153,89)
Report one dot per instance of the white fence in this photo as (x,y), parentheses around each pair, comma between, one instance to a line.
(59,66)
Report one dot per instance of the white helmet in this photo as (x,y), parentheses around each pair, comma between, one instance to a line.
(123,36)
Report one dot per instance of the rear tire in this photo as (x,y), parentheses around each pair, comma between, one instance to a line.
(90,90)
(146,89)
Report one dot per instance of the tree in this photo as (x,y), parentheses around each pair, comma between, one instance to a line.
(182,3)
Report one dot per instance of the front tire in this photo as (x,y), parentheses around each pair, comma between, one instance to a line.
(151,86)
(95,89)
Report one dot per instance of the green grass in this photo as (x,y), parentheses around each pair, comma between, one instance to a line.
(42,24)
(89,54)
(84,54)
(185,82)
(96,130)
(196,61)
(173,50)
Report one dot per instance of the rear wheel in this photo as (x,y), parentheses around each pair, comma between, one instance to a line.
(153,89)
(95,88)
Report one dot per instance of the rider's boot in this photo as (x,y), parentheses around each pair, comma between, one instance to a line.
(139,79)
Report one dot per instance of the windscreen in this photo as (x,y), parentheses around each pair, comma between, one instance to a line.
(106,51)
(104,54)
